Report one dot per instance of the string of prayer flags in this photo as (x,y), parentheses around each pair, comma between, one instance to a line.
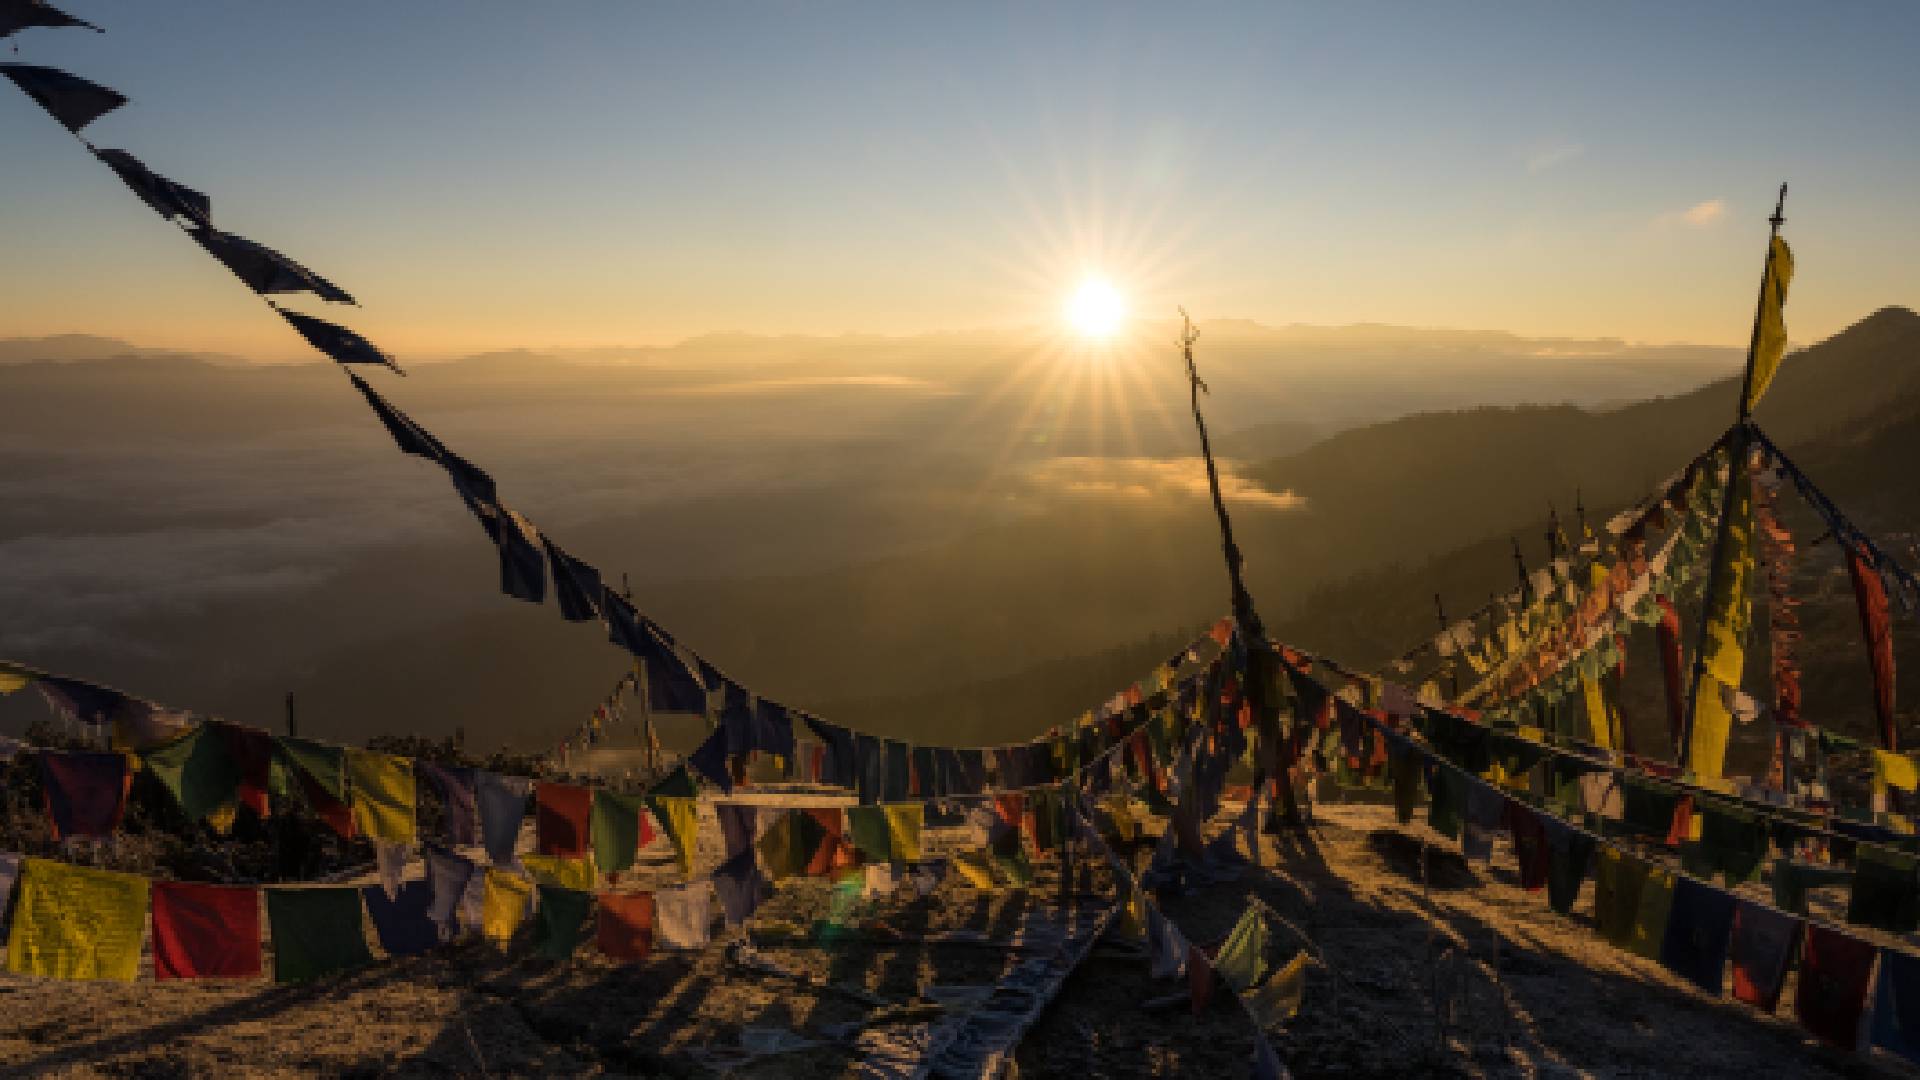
(205,931)
(384,795)
(561,922)
(679,818)
(70,99)
(502,802)
(85,792)
(889,833)
(562,815)
(503,904)
(619,829)
(71,922)
(404,921)
(317,931)
(624,926)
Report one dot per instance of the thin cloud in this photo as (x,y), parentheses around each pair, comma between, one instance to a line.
(1147,479)
(1547,156)
(1697,216)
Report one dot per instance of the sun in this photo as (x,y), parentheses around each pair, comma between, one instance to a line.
(1096,309)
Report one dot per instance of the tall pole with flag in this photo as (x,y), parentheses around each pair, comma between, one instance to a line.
(1253,634)
(1720,651)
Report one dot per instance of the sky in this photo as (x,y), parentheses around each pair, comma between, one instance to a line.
(490,175)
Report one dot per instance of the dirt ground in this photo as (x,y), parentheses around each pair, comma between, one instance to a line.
(1453,971)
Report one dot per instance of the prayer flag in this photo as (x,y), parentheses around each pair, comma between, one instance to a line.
(1278,999)
(503,904)
(1770,339)
(319,773)
(1729,613)
(459,813)
(576,874)
(1832,992)
(383,793)
(502,801)
(739,826)
(1695,946)
(18,15)
(741,886)
(1617,881)
(625,926)
(403,922)
(449,875)
(562,920)
(84,792)
(317,931)
(1242,959)
(561,817)
(205,931)
(70,922)
(1199,979)
(576,584)
(1764,941)
(263,269)
(1894,770)
(196,770)
(1886,893)
(683,916)
(1870,593)
(166,198)
(618,829)
(1651,916)
(337,342)
(680,819)
(867,827)
(1896,1005)
(70,99)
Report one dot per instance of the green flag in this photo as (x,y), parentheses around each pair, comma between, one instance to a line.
(615,829)
(197,770)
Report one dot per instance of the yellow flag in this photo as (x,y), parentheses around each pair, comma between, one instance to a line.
(903,828)
(1771,342)
(1895,770)
(575,874)
(70,922)
(975,866)
(503,904)
(382,792)
(1729,612)
(1279,999)
(1650,916)
(1599,713)
(681,820)
(12,678)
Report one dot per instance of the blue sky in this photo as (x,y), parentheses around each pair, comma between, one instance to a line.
(489,174)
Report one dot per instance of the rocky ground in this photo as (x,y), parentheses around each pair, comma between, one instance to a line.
(1431,967)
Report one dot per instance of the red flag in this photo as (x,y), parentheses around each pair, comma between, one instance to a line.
(1871,594)
(1199,978)
(835,851)
(625,926)
(561,813)
(205,931)
(1669,634)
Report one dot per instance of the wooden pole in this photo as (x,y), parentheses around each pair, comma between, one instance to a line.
(1253,633)
(1736,453)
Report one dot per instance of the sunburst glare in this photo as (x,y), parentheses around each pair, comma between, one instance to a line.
(1096,309)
